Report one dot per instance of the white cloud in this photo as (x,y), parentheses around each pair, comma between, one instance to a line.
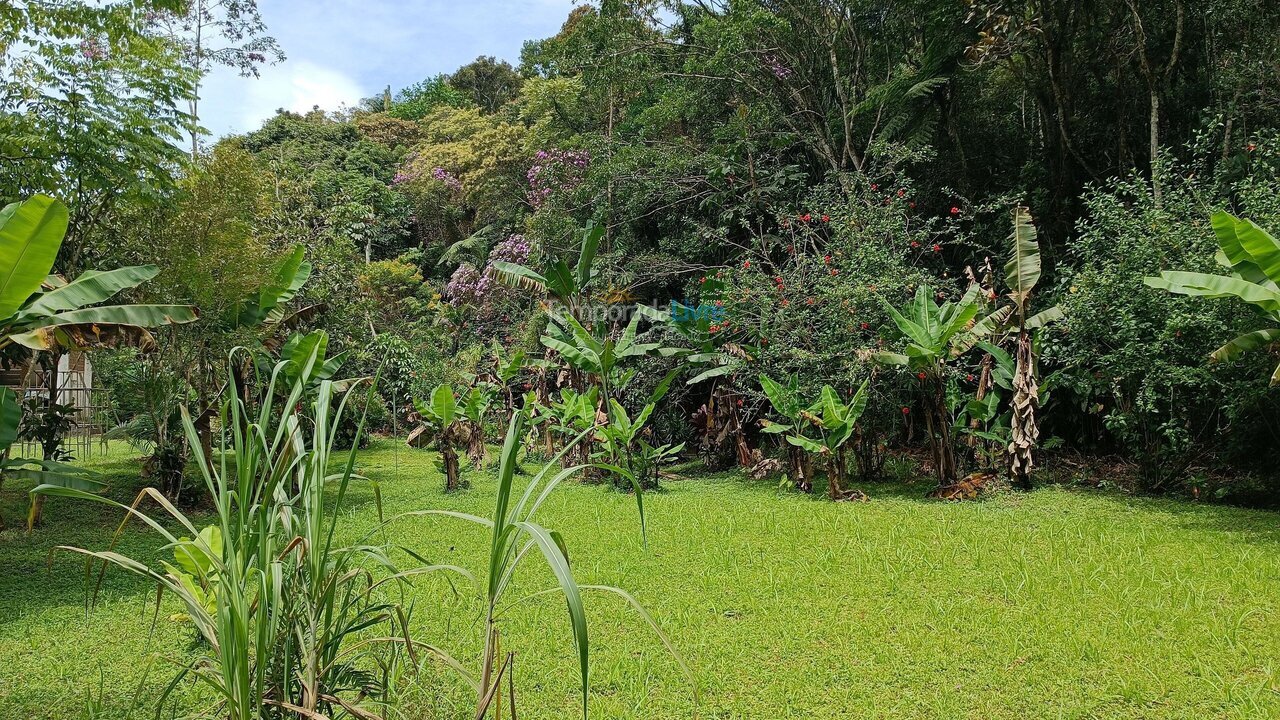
(230,103)
(342,50)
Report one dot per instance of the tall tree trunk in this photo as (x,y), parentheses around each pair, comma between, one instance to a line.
(1155,147)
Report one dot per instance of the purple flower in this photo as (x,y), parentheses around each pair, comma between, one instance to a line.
(446,177)
(555,171)
(91,49)
(780,71)
(467,286)
(514,249)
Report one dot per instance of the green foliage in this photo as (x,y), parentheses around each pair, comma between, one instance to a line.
(514,532)
(63,316)
(280,605)
(1253,257)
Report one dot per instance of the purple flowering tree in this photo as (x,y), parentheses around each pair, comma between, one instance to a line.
(556,172)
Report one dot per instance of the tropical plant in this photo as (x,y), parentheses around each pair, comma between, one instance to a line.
(824,428)
(1252,255)
(47,471)
(932,332)
(623,440)
(446,427)
(1021,274)
(565,285)
(284,611)
(45,312)
(513,534)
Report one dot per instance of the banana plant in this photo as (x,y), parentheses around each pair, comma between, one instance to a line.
(43,472)
(719,363)
(45,312)
(567,286)
(1021,274)
(785,400)
(443,425)
(823,428)
(623,440)
(475,405)
(934,334)
(1252,257)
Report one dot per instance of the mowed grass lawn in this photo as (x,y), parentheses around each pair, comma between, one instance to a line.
(1054,604)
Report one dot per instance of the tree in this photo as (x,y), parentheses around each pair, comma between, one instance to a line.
(210,33)
(832,421)
(1022,272)
(932,331)
(90,109)
(488,83)
(44,312)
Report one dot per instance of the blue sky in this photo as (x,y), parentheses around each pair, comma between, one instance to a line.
(342,50)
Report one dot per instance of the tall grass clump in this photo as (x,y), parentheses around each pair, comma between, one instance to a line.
(514,534)
(293,625)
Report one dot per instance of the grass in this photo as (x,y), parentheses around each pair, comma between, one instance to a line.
(1053,604)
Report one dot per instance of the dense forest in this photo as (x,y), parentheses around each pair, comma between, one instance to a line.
(797,167)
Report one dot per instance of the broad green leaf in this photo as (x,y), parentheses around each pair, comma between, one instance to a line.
(1217,286)
(1245,343)
(147,316)
(1022,272)
(587,257)
(518,276)
(1233,254)
(10,417)
(1045,317)
(805,443)
(91,288)
(443,405)
(30,236)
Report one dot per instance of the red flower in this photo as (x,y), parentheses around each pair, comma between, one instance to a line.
(1251,147)
(955,210)
(739,402)
(915,244)
(806,217)
(875,186)
(826,218)
(809,301)
(912,204)
(906,411)
(826,259)
(920,375)
(713,328)
(746,264)
(969,378)
(835,272)
(791,249)
(937,247)
(786,303)
(703,280)
(719,303)
(866,325)
(901,192)
(778,279)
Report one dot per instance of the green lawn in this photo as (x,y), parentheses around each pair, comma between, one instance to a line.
(1053,604)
